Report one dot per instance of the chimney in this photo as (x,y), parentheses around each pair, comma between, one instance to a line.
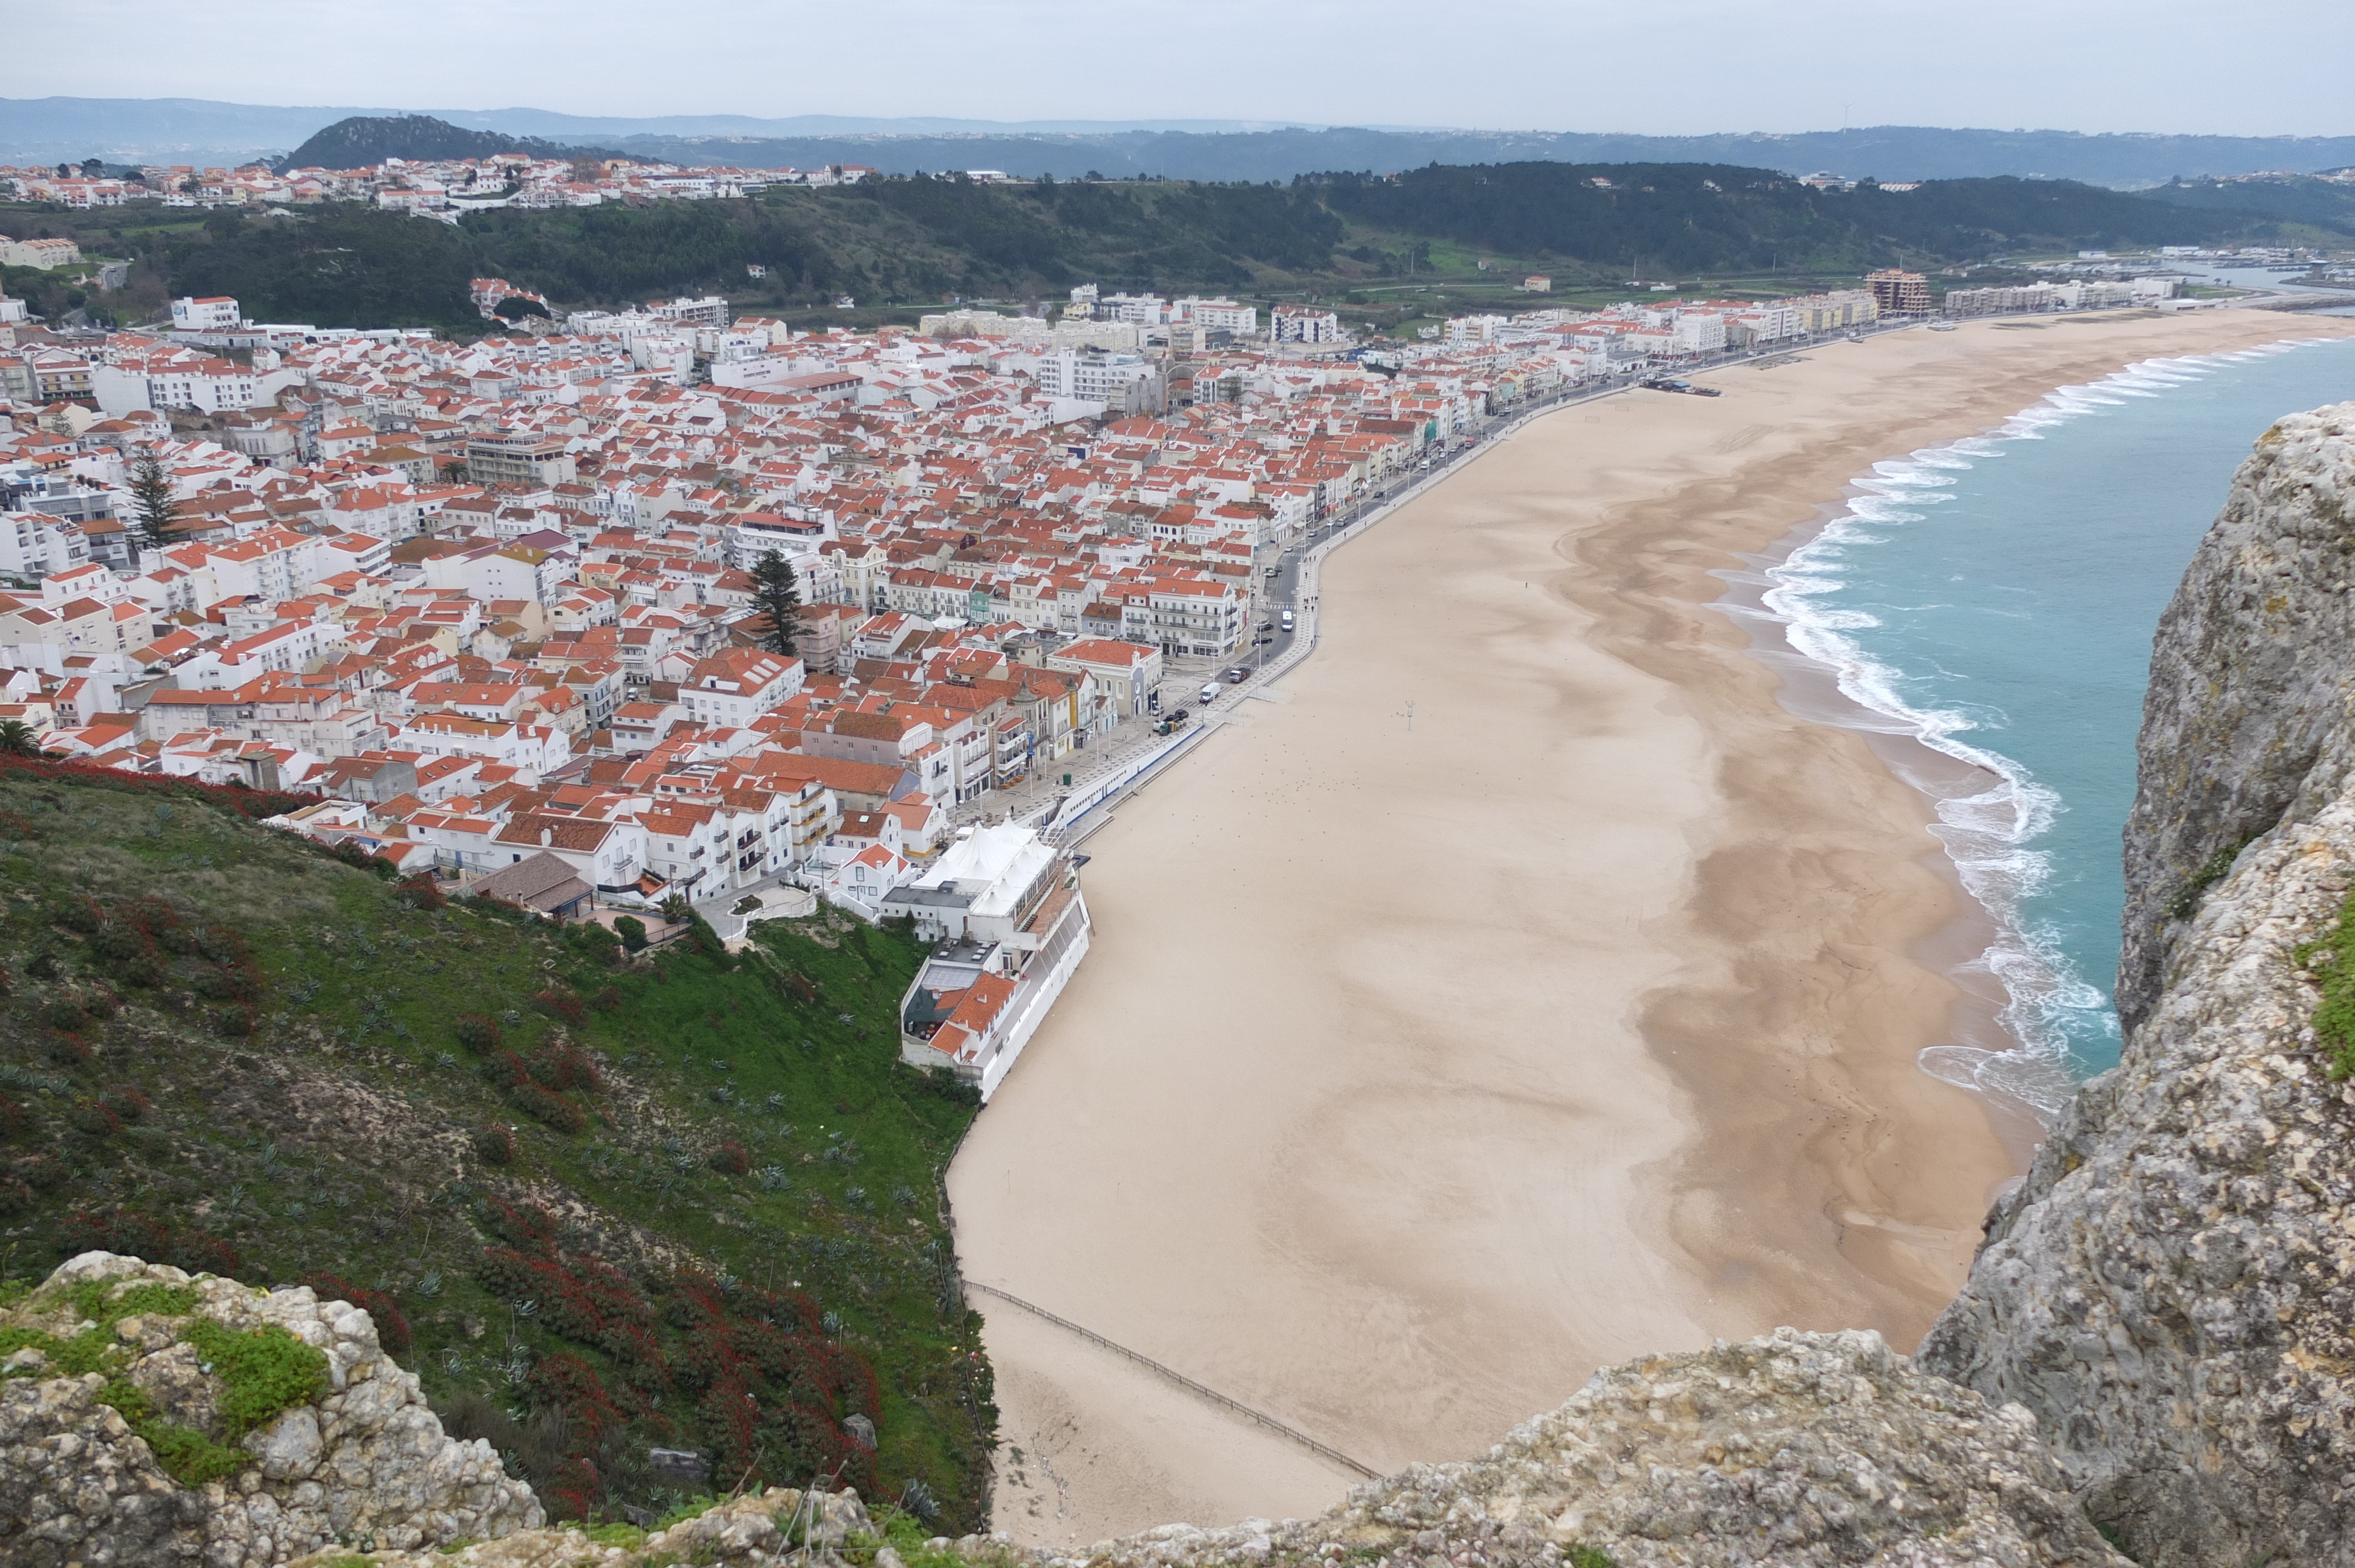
(547,837)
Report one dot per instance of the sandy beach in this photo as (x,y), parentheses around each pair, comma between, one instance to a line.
(1423,1064)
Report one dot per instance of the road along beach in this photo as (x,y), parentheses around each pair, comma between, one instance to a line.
(1522,989)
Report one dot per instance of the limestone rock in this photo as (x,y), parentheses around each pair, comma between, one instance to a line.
(747,1531)
(2172,1289)
(1794,1451)
(366,1461)
(2244,721)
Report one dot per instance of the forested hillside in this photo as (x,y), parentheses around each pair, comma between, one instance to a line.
(918,240)
(688,1199)
(2296,199)
(1703,217)
(362,140)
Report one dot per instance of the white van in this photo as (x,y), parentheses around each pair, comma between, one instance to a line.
(1210,692)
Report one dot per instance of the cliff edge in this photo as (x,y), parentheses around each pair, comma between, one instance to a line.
(2252,673)
(1789,1451)
(153,1417)
(2171,1289)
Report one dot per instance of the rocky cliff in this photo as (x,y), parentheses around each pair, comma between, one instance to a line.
(152,1418)
(1792,1451)
(2172,1290)
(2244,721)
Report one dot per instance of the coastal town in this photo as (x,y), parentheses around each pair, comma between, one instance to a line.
(498,604)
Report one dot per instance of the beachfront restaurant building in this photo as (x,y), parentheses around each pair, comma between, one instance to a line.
(1004,908)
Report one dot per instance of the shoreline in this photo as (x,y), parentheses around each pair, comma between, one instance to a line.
(1419,1072)
(1957,949)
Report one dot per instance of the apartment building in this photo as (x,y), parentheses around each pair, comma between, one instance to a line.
(520,458)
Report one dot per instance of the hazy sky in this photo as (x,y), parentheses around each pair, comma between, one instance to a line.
(1568,65)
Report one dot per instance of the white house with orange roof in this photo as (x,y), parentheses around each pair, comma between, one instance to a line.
(737,685)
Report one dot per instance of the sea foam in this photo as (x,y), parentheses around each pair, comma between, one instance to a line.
(1988,834)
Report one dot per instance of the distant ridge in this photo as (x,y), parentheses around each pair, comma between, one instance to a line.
(364,140)
(199,131)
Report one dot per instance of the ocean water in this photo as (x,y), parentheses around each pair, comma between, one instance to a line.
(1995,598)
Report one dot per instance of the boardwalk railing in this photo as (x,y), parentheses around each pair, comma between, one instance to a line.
(1212,1394)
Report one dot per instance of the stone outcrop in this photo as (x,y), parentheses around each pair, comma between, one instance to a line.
(759,1530)
(2246,719)
(1794,1451)
(2172,1289)
(366,1461)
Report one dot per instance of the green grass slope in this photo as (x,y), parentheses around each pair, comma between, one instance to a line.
(596,1203)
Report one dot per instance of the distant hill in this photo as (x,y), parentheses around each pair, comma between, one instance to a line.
(364,140)
(182,131)
(2291,198)
(1886,153)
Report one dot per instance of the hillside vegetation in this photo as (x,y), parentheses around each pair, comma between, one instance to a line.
(595,1202)
(361,140)
(918,240)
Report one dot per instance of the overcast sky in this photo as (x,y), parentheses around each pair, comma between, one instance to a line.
(1670,65)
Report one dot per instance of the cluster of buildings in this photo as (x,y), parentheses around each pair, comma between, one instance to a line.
(2077,294)
(493,602)
(444,188)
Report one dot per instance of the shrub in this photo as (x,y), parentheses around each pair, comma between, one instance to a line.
(560,1003)
(352,855)
(551,1108)
(476,1032)
(420,891)
(92,1116)
(495,1145)
(557,1066)
(14,1121)
(43,1172)
(633,932)
(69,1050)
(116,941)
(83,915)
(588,937)
(607,1000)
(505,1069)
(731,1158)
(128,1105)
(529,1226)
(234,1023)
(66,1013)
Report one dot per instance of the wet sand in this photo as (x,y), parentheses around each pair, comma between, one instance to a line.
(1423,1066)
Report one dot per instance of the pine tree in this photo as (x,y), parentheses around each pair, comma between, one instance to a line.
(777,595)
(151,499)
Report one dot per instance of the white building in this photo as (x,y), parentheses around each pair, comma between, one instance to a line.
(1303,323)
(1127,383)
(215,313)
(730,689)
(1006,909)
(1218,315)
